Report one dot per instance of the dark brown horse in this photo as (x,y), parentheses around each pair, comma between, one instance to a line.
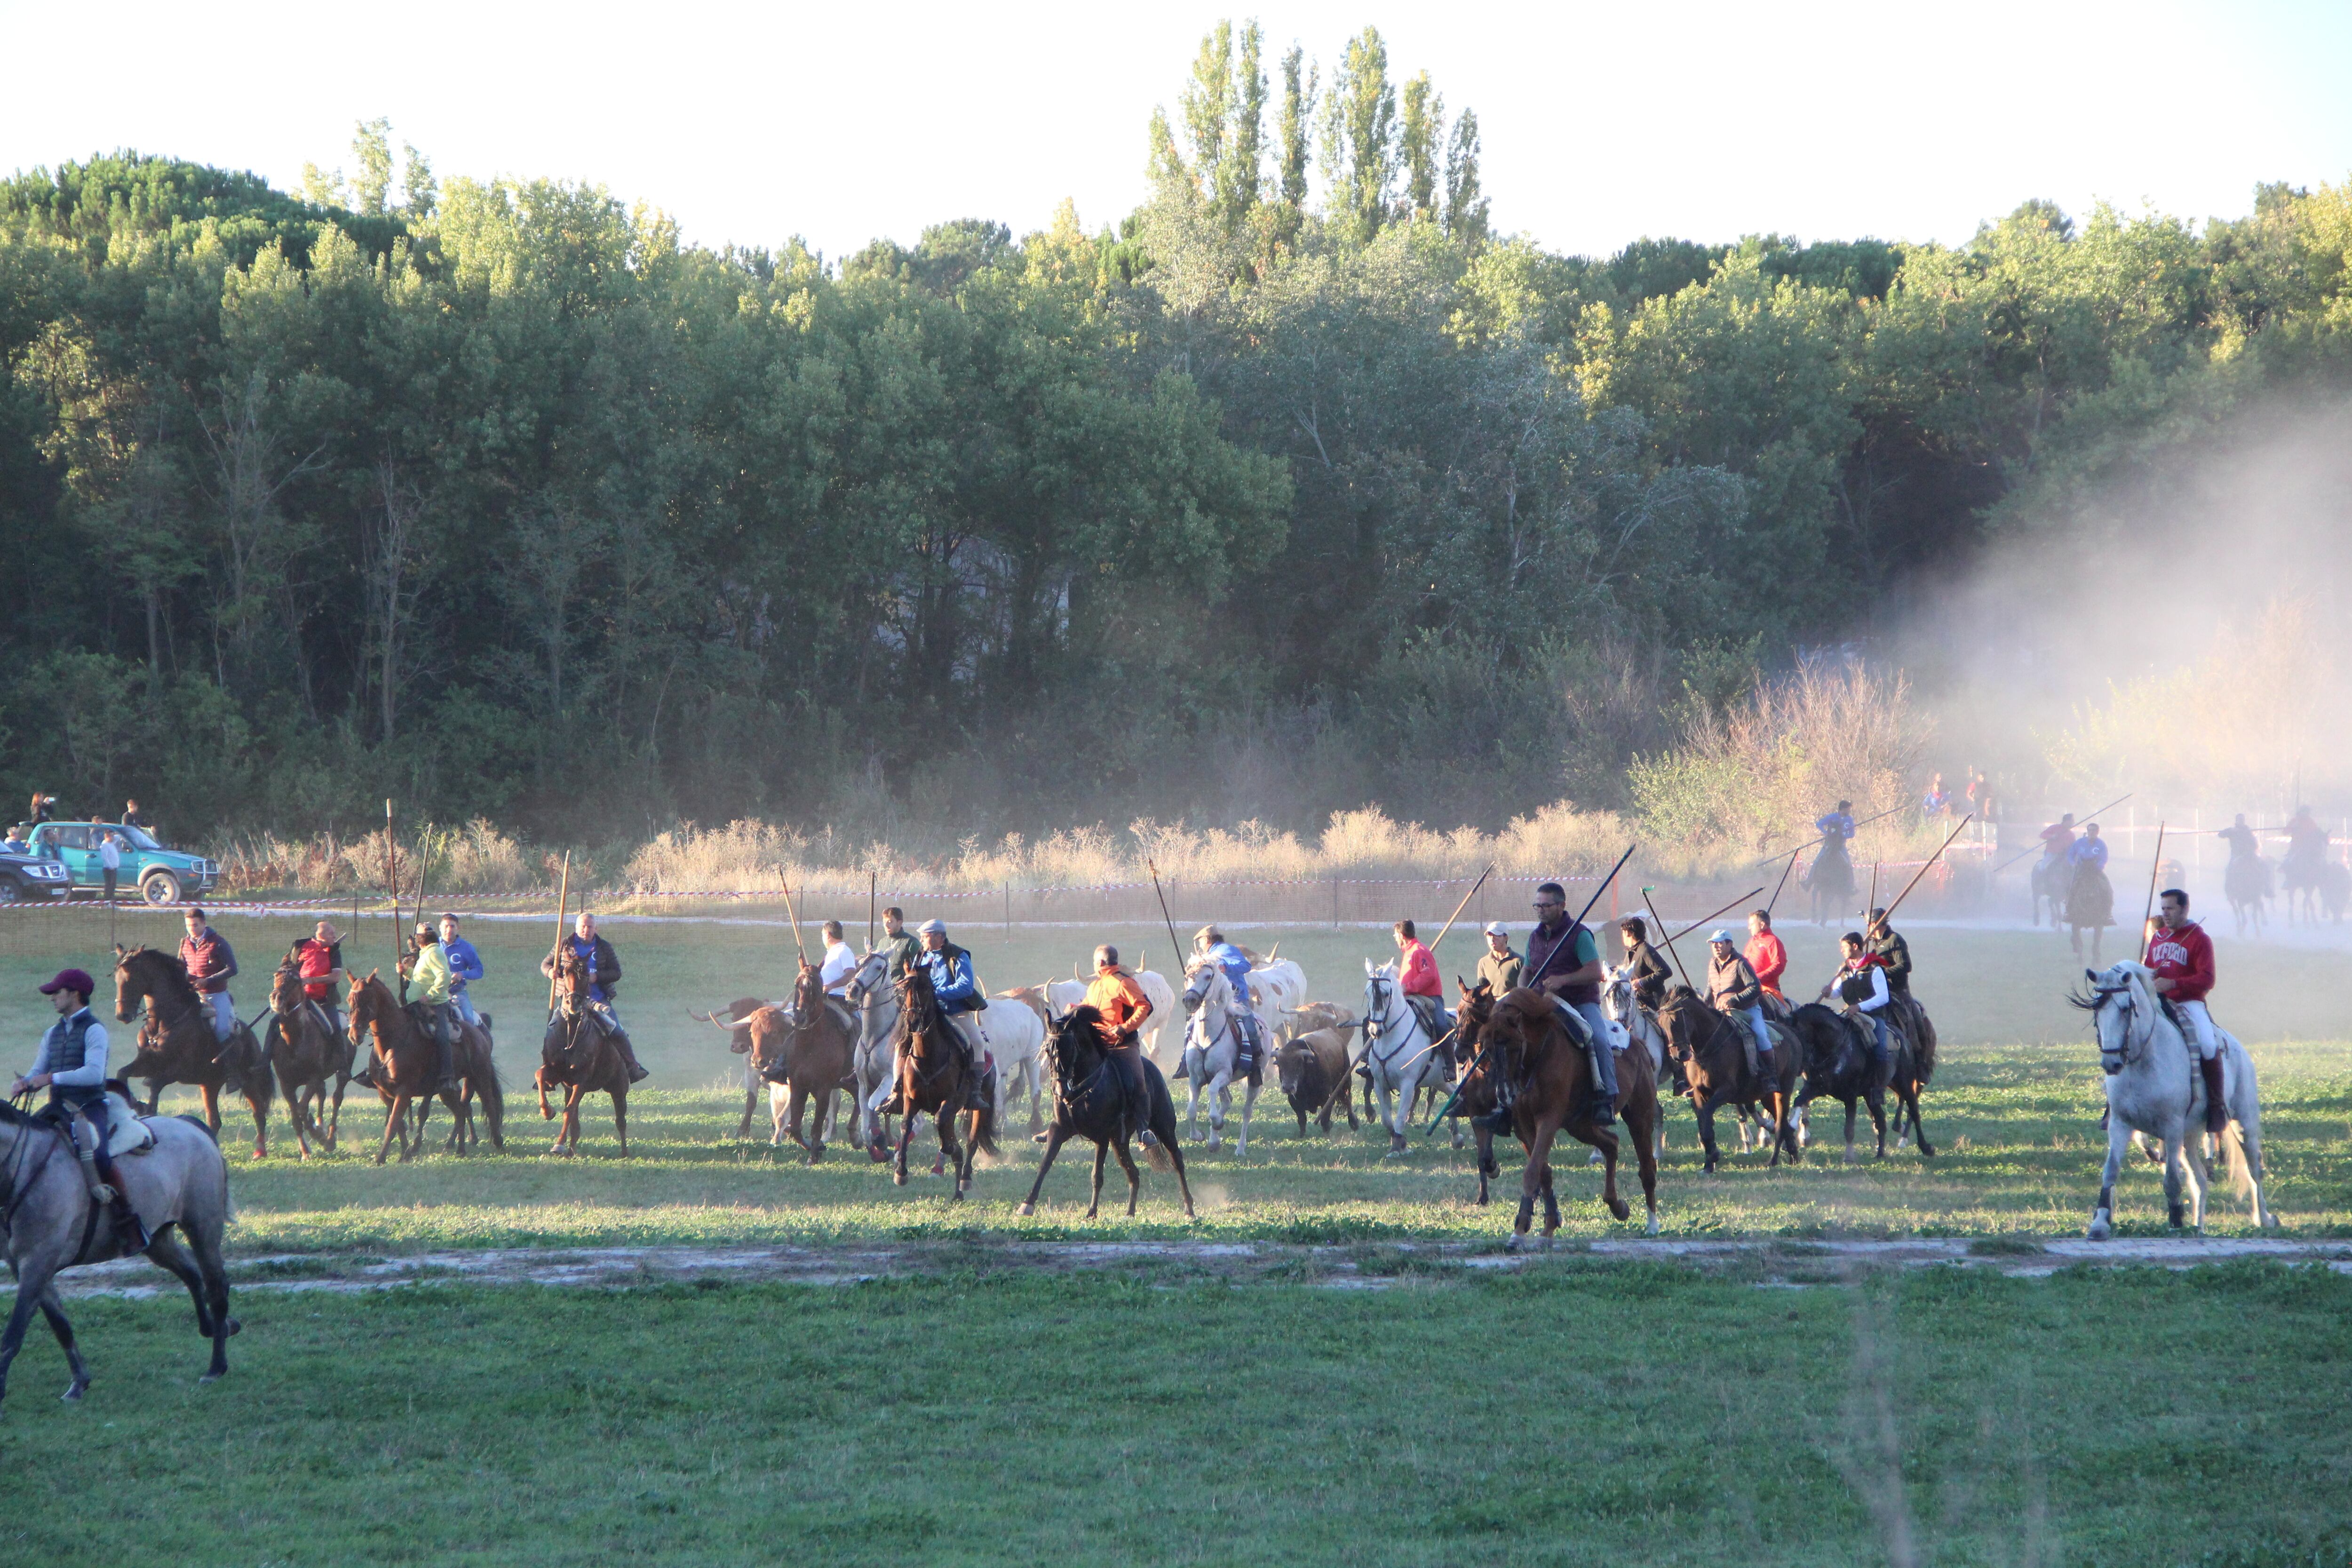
(403,1062)
(1091,1101)
(1712,1051)
(578,1054)
(1838,1064)
(931,1078)
(307,1051)
(1547,1076)
(1482,1081)
(177,1044)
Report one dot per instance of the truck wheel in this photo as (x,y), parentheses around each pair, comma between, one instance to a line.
(162,887)
(8,891)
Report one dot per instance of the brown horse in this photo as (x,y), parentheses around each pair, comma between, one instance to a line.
(404,1062)
(804,1052)
(1481,1082)
(579,1055)
(177,1044)
(1712,1051)
(1547,1075)
(307,1051)
(931,1078)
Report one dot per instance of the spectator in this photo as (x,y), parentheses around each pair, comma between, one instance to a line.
(1935,803)
(15,843)
(110,860)
(44,807)
(130,817)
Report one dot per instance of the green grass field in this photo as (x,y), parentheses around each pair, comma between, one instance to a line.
(1354,1399)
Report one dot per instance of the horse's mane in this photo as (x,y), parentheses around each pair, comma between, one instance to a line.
(166,971)
(12,1116)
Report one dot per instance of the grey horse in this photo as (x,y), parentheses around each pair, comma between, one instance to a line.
(46,1206)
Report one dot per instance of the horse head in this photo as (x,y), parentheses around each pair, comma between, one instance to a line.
(808,997)
(1379,992)
(865,981)
(1074,1044)
(286,989)
(2123,1011)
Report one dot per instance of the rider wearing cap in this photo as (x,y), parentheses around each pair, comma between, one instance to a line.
(1211,943)
(2182,956)
(957,990)
(1733,989)
(72,1067)
(1651,974)
(1498,967)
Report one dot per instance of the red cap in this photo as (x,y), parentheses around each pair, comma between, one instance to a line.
(71,980)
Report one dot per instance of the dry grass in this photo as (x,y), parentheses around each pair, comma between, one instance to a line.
(474,858)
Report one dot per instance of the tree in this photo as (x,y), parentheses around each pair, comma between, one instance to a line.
(1360,138)
(1465,204)
(1420,145)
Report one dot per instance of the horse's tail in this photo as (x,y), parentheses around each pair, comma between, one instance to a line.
(494,1101)
(2233,1160)
(984,1130)
(1923,1047)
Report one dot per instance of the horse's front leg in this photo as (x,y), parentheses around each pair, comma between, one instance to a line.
(1540,1160)
(1877,1100)
(2103,1214)
(33,1277)
(1053,1139)
(210,1095)
(390,1115)
(1219,1098)
(539,1078)
(1608,1143)
(905,1136)
(55,1311)
(620,1121)
(1134,1176)
(1094,1199)
(1703,1108)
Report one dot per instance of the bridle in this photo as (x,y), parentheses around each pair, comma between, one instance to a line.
(1198,985)
(1380,997)
(2136,1037)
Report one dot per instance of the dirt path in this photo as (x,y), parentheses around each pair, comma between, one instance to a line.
(1371,1266)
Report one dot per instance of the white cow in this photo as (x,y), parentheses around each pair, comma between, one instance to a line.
(1064,994)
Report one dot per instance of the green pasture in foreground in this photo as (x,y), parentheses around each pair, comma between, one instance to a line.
(1571,1414)
(2012,1113)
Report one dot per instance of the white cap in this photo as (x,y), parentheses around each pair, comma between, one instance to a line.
(930,927)
(1497,928)
(1721,935)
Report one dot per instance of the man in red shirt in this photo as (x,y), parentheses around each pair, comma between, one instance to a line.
(1768,959)
(1417,978)
(2180,955)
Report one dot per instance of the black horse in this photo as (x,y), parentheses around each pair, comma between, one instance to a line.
(1092,1100)
(1838,1064)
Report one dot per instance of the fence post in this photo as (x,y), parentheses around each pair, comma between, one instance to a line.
(1335,903)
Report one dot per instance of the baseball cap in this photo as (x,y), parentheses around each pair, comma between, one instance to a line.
(1497,928)
(70,980)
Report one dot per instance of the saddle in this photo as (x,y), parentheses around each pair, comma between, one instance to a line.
(127,1133)
(1431,1011)
(1578,1030)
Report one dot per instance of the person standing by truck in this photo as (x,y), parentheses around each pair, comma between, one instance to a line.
(110,860)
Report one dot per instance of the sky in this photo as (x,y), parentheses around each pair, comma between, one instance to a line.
(751,123)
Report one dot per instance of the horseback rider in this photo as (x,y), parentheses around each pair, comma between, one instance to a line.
(1564,960)
(464,966)
(840,964)
(1211,943)
(897,942)
(1837,829)
(1860,984)
(1768,959)
(318,960)
(1123,1006)
(1733,990)
(72,1067)
(426,966)
(1651,974)
(211,965)
(1418,981)
(2306,841)
(957,991)
(2088,850)
(2182,956)
(1498,966)
(2059,838)
(602,967)
(2243,844)
(1894,955)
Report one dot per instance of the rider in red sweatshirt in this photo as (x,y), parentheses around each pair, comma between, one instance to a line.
(2180,955)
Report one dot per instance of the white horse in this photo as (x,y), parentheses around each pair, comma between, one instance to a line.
(1402,1056)
(1212,1051)
(1062,995)
(2154,1086)
(877,1052)
(1642,1030)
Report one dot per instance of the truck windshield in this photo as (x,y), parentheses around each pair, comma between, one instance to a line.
(139,838)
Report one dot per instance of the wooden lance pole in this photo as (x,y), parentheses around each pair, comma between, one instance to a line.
(1169,920)
(1659,921)
(1922,871)
(1775,898)
(1724,911)
(2148,912)
(392,880)
(562,899)
(793,911)
(1458,908)
(2079,821)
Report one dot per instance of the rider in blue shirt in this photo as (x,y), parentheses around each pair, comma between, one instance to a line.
(1836,828)
(465,964)
(1211,943)
(2088,850)
(957,989)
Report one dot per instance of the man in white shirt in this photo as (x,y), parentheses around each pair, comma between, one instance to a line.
(840,961)
(72,1067)
(1860,984)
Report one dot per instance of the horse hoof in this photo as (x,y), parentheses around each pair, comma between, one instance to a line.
(1621,1210)
(72,1396)
(1026,1210)
(1654,1225)
(211,1377)
(898,1178)
(1513,1245)
(2099,1231)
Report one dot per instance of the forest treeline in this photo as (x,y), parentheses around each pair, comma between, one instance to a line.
(1296,488)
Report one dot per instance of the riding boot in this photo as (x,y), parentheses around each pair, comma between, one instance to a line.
(975,1086)
(445,1071)
(629,1057)
(2216,1108)
(1604,1087)
(99,1193)
(131,1237)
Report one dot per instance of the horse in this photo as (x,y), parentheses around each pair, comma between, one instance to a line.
(802,1051)
(577,1053)
(1402,1055)
(2090,906)
(2248,883)
(404,1060)
(1527,1044)
(307,1052)
(1212,1051)
(2048,882)
(932,1069)
(1312,1070)
(1830,879)
(1712,1051)
(2309,884)
(1835,1055)
(2154,1086)
(177,1044)
(1089,1103)
(180,1182)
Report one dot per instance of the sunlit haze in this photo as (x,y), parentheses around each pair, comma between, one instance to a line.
(752,123)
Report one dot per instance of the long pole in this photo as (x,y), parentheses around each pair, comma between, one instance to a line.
(2147,913)
(1661,924)
(1462,905)
(793,911)
(423,871)
(1874,891)
(1726,909)
(1922,871)
(1807,844)
(1175,946)
(1605,882)
(1783,882)
(392,879)
(562,899)
(2079,821)
(871,883)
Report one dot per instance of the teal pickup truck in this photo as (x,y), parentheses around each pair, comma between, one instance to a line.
(161,876)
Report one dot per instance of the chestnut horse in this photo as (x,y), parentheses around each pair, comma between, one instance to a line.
(177,1044)
(1482,1081)
(404,1062)
(307,1051)
(1712,1051)
(931,1079)
(577,1053)
(1545,1073)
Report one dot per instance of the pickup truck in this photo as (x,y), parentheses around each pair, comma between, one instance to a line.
(161,876)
